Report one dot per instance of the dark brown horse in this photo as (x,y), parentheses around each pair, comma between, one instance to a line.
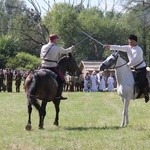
(46,86)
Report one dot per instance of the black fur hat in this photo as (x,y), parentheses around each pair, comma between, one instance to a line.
(133,37)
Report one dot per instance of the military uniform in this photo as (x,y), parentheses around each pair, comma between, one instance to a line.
(9,80)
(2,78)
(18,79)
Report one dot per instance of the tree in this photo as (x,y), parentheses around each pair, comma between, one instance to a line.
(23,61)
(106,28)
(141,11)
(24,23)
(9,47)
(68,20)
(62,19)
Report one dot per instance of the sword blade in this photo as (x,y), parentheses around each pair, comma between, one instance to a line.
(81,41)
(92,38)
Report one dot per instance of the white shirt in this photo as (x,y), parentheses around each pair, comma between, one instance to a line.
(94,83)
(110,82)
(135,54)
(53,54)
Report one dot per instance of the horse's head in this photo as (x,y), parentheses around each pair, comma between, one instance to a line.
(110,61)
(68,63)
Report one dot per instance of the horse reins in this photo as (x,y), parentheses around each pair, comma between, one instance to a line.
(115,67)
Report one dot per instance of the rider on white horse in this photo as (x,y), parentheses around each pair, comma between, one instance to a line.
(136,60)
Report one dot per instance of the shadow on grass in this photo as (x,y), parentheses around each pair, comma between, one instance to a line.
(92,128)
(139,128)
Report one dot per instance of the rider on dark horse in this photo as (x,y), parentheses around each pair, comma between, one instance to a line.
(136,60)
(50,54)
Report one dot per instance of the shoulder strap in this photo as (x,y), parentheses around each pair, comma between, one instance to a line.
(48,51)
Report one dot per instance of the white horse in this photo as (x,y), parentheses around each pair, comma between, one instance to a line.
(125,82)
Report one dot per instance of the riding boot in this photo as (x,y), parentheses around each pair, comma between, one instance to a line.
(146,95)
(63,98)
(59,93)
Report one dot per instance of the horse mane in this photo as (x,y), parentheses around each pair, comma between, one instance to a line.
(123,55)
(64,58)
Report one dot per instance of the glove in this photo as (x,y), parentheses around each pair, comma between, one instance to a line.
(72,47)
(106,46)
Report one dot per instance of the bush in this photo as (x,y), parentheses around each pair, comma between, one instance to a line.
(24,61)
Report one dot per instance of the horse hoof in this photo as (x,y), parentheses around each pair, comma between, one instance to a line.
(123,126)
(55,123)
(28,127)
(41,128)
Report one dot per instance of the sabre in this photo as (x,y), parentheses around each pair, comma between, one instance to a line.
(81,41)
(92,38)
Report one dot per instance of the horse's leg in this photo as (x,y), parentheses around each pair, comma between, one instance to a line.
(28,126)
(126,109)
(42,115)
(57,109)
(125,120)
(67,87)
(33,101)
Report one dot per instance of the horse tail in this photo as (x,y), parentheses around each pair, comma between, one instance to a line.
(33,84)
(28,82)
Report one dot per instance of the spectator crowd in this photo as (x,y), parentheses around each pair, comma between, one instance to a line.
(7,77)
(94,82)
(90,82)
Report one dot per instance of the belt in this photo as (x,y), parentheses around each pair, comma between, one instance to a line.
(50,60)
(44,67)
(140,68)
(139,64)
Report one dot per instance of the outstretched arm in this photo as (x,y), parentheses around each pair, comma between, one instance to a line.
(124,48)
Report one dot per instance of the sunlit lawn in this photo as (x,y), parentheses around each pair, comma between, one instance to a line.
(88,121)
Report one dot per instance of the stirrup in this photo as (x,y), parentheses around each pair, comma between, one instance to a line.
(60,98)
(57,98)
(63,98)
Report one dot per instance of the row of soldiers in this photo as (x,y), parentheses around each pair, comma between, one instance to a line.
(6,80)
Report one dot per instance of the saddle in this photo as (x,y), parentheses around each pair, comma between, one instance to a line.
(46,72)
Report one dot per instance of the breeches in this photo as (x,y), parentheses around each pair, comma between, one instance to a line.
(141,79)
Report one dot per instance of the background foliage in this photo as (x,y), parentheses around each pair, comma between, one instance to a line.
(24,29)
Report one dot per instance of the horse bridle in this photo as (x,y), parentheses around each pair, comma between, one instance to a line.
(72,73)
(115,67)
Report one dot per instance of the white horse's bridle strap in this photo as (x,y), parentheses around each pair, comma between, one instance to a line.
(115,67)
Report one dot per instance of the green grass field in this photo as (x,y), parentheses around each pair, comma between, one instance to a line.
(88,121)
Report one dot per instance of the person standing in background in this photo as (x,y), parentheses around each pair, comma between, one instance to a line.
(101,82)
(87,82)
(9,80)
(94,82)
(18,78)
(110,82)
(2,78)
